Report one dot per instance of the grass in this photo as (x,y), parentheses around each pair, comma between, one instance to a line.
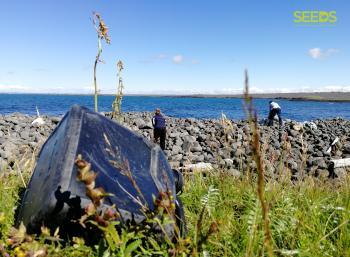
(307,218)
(12,186)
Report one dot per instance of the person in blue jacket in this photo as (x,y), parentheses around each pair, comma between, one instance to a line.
(159,126)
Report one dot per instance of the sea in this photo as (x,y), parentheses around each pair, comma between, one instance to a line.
(180,107)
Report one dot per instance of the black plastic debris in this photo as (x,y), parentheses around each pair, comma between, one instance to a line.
(55,197)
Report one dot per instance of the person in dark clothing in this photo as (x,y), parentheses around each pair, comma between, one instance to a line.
(159,126)
(275,109)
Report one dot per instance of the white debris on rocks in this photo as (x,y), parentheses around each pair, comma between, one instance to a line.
(38,121)
(201,166)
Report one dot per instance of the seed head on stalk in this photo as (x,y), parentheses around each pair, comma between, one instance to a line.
(101,28)
(120,66)
(102,34)
(257,154)
(116,106)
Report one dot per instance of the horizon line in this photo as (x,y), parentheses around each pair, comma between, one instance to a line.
(181,94)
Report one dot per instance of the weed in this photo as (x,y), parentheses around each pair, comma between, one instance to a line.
(257,154)
(117,103)
(102,34)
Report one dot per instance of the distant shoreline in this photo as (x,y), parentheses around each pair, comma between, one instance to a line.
(303,96)
(317,97)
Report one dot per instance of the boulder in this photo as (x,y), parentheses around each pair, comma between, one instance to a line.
(139,123)
(176,149)
(233,172)
(196,147)
(346,148)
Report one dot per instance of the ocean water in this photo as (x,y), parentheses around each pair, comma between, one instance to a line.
(173,106)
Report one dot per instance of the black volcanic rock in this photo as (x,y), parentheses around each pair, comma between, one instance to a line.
(193,140)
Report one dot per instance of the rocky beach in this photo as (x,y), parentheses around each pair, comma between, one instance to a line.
(302,148)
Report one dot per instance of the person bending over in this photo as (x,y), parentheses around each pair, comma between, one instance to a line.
(274,109)
(159,126)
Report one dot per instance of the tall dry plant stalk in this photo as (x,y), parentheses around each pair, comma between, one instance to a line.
(102,34)
(303,154)
(117,104)
(227,127)
(256,149)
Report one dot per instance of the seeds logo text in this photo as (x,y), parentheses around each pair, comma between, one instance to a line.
(322,17)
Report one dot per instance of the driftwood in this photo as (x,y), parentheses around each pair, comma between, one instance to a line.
(334,164)
(201,166)
(333,143)
(341,163)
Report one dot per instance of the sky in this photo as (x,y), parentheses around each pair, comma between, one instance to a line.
(174,46)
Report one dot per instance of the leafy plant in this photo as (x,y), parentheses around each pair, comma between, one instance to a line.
(126,238)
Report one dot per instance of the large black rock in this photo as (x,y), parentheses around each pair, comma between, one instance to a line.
(55,197)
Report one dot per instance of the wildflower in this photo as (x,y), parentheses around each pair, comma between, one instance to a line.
(19,252)
(78,242)
(45,231)
(17,236)
(40,253)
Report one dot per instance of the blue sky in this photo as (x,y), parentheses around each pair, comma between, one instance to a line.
(182,46)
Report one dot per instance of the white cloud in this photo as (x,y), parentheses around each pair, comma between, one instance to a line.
(315,53)
(13,88)
(194,61)
(155,58)
(318,53)
(336,89)
(178,59)
(238,91)
(161,56)
(16,88)
(88,89)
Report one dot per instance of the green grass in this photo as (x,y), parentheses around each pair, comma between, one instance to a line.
(9,195)
(307,218)
(12,186)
